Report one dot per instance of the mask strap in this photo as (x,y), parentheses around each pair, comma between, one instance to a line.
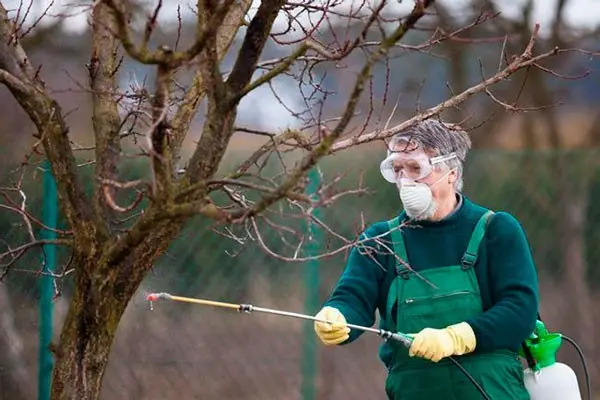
(442,177)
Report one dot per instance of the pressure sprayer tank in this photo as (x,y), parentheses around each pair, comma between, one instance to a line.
(549,379)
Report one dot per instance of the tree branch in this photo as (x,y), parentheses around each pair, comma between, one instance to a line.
(254,42)
(46,114)
(18,251)
(225,34)
(277,70)
(162,56)
(12,56)
(158,136)
(221,110)
(105,114)
(524,60)
(141,54)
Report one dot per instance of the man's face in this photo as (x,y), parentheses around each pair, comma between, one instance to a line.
(413,163)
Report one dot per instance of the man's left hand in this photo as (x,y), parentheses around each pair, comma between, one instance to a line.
(435,344)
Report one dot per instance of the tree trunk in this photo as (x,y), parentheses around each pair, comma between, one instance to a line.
(85,344)
(102,293)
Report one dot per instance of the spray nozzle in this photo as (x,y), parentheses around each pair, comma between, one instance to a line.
(543,345)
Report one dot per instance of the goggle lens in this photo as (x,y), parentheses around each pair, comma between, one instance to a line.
(399,165)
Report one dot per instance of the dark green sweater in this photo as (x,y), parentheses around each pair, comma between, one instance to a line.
(505,271)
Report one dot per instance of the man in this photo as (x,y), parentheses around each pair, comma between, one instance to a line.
(458,277)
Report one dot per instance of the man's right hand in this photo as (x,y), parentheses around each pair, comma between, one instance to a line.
(332,333)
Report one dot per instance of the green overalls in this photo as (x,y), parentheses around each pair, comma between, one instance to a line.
(454,298)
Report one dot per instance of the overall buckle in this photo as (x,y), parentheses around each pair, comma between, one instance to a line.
(468,260)
(404,274)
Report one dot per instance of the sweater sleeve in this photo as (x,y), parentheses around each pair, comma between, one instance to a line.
(513,284)
(357,291)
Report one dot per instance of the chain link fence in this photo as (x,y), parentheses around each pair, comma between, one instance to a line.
(183,351)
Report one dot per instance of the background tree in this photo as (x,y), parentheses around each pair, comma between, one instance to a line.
(117,230)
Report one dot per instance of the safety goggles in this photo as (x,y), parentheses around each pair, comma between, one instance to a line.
(413,165)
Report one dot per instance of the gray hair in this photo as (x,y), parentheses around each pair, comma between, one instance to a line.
(440,138)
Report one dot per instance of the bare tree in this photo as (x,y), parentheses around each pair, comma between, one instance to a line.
(108,262)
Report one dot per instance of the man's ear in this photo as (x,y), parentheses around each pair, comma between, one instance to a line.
(452,176)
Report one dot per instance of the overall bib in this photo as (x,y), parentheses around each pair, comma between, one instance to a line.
(454,299)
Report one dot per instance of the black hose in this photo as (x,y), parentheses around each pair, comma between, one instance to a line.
(585,369)
(473,381)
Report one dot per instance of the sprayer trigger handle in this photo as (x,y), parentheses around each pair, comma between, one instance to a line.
(403,339)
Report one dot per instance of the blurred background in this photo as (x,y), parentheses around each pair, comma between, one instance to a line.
(543,166)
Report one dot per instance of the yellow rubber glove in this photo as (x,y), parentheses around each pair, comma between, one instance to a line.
(334,333)
(435,344)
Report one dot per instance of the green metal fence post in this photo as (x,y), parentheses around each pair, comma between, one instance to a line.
(50,219)
(311,285)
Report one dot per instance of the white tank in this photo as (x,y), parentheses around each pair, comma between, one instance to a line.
(554,382)
(549,379)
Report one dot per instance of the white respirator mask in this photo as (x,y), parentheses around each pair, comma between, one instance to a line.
(417,197)
(405,169)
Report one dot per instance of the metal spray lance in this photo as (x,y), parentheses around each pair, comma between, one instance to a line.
(404,339)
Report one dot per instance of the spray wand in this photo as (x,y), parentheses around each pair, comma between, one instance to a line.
(404,339)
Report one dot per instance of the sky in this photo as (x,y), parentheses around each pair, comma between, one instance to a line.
(579,13)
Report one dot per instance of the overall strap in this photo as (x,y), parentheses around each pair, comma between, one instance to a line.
(398,243)
(399,249)
(470,256)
